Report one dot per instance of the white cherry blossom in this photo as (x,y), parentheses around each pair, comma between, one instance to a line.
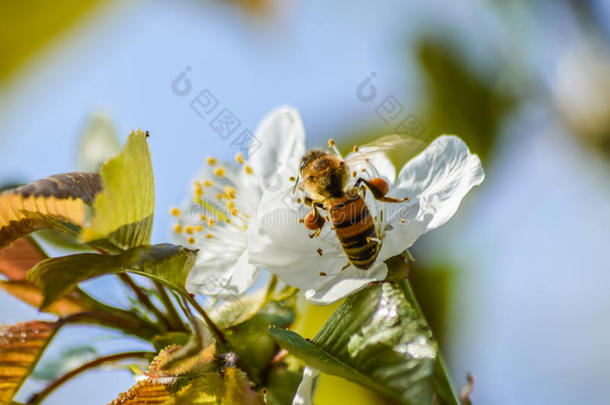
(245,217)
(435,181)
(216,216)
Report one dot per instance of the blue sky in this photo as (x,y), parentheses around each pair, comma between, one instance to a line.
(529,318)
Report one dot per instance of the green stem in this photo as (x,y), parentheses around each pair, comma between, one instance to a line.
(442,382)
(174,317)
(39,396)
(98,306)
(215,329)
(271,289)
(145,300)
(129,326)
(441,379)
(140,295)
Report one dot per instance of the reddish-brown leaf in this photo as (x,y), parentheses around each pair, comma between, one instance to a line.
(144,393)
(21,346)
(20,256)
(56,202)
(32,295)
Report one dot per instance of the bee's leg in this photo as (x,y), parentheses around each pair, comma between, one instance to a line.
(379,189)
(314,221)
(311,203)
(361,190)
(346,266)
(307,201)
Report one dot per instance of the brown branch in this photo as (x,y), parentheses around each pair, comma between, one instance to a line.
(36,398)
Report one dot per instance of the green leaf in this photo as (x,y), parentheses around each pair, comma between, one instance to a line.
(251,333)
(233,388)
(171,338)
(247,335)
(281,385)
(196,356)
(123,211)
(56,202)
(21,346)
(169,264)
(376,338)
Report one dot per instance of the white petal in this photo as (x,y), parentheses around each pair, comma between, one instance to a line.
(221,278)
(350,281)
(278,243)
(435,181)
(306,390)
(378,165)
(222,267)
(282,145)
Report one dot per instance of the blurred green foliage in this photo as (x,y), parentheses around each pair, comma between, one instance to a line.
(434,287)
(25,26)
(459,100)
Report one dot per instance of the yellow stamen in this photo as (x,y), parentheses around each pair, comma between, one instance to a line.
(191,240)
(220,171)
(219,196)
(331,143)
(230,205)
(234,211)
(209,236)
(203,217)
(248,169)
(355,148)
(354,173)
(177,228)
(291,178)
(175,212)
(199,228)
(198,191)
(211,222)
(240,158)
(208,183)
(402,221)
(212,161)
(188,230)
(229,192)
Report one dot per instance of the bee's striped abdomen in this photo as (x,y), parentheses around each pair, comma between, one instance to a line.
(355,229)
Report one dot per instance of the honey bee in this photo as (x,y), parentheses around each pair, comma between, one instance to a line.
(325,181)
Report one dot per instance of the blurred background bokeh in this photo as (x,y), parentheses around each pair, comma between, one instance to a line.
(515,286)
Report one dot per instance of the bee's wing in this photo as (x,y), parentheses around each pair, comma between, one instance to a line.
(406,146)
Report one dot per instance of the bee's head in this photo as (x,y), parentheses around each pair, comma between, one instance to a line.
(323,175)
